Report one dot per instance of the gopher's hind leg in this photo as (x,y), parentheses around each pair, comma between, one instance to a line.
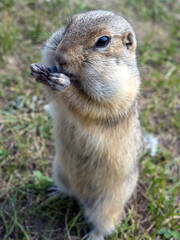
(104,219)
(106,213)
(60,179)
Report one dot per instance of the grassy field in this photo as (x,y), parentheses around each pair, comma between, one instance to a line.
(26,139)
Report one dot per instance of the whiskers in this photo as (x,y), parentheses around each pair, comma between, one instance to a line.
(54,40)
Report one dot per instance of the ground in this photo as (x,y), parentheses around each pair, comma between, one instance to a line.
(26,140)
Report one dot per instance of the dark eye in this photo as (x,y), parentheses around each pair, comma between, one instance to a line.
(102,42)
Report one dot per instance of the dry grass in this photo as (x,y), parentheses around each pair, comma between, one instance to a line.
(26,141)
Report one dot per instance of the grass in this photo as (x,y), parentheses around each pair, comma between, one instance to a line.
(26,141)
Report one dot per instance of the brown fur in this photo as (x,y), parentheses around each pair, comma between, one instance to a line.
(97,131)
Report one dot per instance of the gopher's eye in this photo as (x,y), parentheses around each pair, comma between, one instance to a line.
(102,42)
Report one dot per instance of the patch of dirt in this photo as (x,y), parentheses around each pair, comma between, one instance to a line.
(170,142)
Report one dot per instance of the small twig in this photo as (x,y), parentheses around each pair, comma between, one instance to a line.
(170,218)
(124,235)
(144,195)
(152,225)
(84,237)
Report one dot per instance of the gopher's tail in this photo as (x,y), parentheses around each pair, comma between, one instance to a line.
(150,143)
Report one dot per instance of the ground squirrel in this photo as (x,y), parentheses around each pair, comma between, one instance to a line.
(91,78)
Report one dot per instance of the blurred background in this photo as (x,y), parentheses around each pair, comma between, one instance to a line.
(26,137)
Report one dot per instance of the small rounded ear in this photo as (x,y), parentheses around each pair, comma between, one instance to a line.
(128,41)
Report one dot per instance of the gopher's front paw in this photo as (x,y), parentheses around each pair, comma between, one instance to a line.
(42,74)
(58,81)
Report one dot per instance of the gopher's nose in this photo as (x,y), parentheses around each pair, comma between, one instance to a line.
(60,57)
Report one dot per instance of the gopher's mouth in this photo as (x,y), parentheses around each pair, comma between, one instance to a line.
(70,75)
(54,69)
(73,78)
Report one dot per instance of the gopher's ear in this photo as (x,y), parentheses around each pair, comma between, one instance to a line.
(128,41)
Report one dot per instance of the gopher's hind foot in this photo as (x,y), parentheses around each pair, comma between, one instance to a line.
(93,235)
